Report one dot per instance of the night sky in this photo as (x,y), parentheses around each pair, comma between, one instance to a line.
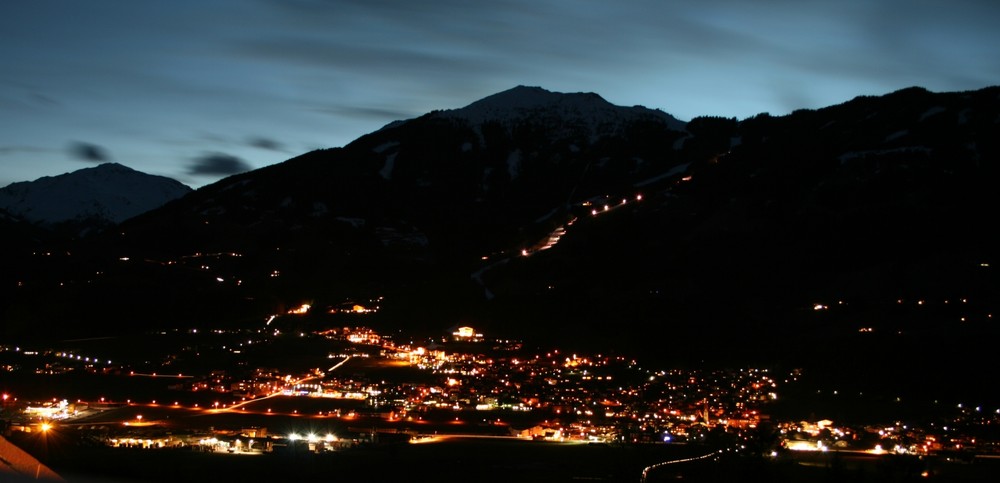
(197,90)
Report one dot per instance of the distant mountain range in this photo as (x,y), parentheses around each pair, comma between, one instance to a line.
(564,217)
(105,194)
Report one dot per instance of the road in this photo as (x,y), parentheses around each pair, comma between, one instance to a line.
(278,393)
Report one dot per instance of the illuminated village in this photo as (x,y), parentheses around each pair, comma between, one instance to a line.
(268,390)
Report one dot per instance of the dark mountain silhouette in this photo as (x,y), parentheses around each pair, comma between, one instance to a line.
(562,217)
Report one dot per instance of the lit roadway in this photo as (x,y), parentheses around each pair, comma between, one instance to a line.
(437,438)
(645,471)
(178,376)
(278,393)
(138,421)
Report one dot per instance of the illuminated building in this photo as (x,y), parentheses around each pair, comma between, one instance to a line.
(466,334)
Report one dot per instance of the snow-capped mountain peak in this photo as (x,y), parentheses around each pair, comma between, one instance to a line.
(109,191)
(586,109)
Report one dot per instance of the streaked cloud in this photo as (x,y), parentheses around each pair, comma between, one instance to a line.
(324,72)
(217,164)
(265,143)
(89,152)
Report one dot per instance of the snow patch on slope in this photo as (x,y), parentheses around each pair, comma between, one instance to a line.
(388,166)
(381,148)
(514,164)
(675,171)
(932,111)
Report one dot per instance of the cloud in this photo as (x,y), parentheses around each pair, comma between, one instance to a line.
(265,143)
(363,112)
(37,98)
(218,164)
(89,152)
(5,150)
(375,59)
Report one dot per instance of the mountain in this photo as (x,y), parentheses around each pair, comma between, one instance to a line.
(564,218)
(446,187)
(587,112)
(107,193)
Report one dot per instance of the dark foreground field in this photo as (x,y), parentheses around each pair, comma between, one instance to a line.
(492,460)
(454,460)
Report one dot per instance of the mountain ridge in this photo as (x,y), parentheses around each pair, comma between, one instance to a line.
(638,236)
(524,101)
(109,192)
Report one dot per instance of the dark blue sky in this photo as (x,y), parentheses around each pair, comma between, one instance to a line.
(197,90)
